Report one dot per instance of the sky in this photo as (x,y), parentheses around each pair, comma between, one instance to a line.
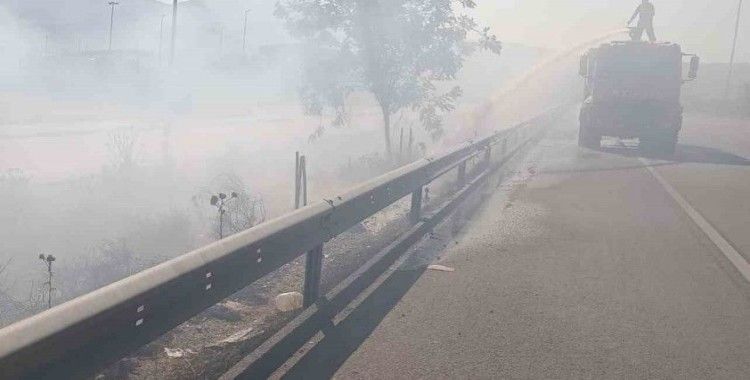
(704,27)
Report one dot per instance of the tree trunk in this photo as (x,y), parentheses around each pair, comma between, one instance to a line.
(387,130)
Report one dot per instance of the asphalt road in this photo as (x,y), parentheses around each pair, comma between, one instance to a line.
(584,267)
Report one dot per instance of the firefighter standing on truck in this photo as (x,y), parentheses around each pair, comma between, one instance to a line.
(645,13)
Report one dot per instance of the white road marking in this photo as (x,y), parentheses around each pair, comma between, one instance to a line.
(724,246)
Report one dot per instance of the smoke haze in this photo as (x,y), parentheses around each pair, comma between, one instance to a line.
(705,27)
(108,159)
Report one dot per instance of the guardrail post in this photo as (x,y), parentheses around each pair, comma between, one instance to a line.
(416,205)
(313,269)
(462,174)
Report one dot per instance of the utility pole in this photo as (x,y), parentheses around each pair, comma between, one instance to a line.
(244,32)
(161,38)
(111,22)
(174,31)
(734,48)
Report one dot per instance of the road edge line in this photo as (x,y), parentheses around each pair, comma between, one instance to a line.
(715,236)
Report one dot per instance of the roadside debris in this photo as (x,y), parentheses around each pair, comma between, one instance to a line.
(223,312)
(441,268)
(237,307)
(237,337)
(288,301)
(177,352)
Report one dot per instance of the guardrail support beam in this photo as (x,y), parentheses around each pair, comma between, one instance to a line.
(313,269)
(416,205)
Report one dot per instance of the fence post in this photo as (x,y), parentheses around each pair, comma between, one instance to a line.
(416,205)
(401,147)
(411,141)
(313,269)
(300,181)
(303,179)
(296,180)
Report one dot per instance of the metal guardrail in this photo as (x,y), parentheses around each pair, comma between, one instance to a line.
(80,337)
(274,352)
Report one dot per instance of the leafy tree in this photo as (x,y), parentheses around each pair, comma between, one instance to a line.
(394,49)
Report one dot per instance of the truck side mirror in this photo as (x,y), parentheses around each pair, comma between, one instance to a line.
(583,68)
(695,63)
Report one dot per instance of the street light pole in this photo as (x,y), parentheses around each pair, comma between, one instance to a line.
(174,31)
(244,32)
(111,22)
(734,48)
(161,38)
